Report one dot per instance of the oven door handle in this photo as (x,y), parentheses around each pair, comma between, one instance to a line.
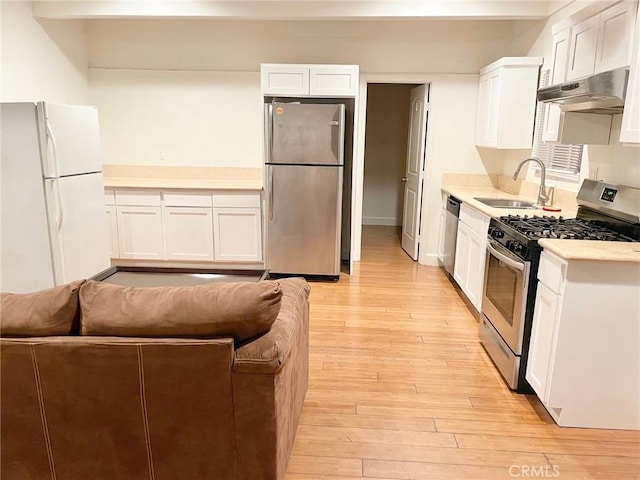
(505,259)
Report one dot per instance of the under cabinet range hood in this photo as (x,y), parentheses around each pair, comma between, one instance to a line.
(601,93)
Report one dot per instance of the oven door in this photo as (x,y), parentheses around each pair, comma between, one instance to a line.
(504,301)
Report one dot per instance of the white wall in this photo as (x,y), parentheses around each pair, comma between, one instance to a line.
(225,45)
(449,53)
(615,163)
(179,118)
(385,153)
(44,60)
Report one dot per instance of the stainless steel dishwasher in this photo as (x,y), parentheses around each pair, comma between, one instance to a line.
(451,233)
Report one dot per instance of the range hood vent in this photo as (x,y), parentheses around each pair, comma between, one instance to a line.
(602,93)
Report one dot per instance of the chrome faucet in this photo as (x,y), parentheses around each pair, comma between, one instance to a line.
(543,198)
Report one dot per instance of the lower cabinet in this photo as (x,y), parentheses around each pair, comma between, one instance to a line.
(188,233)
(541,347)
(140,232)
(471,253)
(185,225)
(112,223)
(584,354)
(238,234)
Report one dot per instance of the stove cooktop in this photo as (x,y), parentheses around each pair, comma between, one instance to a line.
(536,227)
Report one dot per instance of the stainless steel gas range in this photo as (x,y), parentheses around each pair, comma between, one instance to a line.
(606,213)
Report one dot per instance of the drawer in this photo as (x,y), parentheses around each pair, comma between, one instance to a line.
(477,221)
(187,199)
(552,271)
(237,200)
(138,198)
(109,197)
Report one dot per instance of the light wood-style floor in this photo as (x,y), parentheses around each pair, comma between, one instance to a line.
(400,388)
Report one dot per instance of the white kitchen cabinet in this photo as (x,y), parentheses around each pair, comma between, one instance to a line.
(186,225)
(630,130)
(584,354)
(558,74)
(238,234)
(471,245)
(188,233)
(237,220)
(290,80)
(507,103)
(140,232)
(545,319)
(602,42)
(112,223)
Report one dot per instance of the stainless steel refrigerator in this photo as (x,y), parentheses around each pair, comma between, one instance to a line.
(304,174)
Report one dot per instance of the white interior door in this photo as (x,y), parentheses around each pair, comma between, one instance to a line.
(415,170)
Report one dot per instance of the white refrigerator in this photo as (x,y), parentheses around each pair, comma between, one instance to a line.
(53,226)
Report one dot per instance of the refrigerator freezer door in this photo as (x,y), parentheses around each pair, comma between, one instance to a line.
(303,219)
(72,140)
(25,257)
(78,226)
(307,134)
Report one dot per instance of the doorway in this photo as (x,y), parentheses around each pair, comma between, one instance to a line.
(394,144)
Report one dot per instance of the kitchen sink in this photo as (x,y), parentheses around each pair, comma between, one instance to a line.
(506,203)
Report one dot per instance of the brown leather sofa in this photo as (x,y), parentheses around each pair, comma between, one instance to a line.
(156,384)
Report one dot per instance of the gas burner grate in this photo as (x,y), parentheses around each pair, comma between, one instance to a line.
(564,228)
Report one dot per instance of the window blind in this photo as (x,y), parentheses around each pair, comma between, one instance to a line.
(561,160)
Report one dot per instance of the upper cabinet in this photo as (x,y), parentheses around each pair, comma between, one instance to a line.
(287,80)
(507,103)
(601,42)
(630,131)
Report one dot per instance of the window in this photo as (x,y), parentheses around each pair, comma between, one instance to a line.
(562,161)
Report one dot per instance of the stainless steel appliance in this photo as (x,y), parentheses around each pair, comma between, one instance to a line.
(304,174)
(606,212)
(602,93)
(451,233)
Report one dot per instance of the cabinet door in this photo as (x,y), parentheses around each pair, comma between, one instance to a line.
(484,97)
(284,79)
(553,113)
(188,233)
(461,266)
(541,348)
(495,97)
(614,37)
(582,53)
(475,273)
(237,234)
(112,223)
(333,81)
(630,131)
(140,232)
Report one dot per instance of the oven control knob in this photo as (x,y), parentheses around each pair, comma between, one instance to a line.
(496,233)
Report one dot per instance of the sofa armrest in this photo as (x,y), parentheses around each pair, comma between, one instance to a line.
(267,353)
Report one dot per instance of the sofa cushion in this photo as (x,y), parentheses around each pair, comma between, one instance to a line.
(240,310)
(46,312)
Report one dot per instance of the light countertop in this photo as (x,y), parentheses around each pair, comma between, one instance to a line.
(593,250)
(467,195)
(568,249)
(185,178)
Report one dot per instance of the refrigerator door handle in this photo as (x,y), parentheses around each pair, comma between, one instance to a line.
(270,193)
(268,122)
(53,159)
